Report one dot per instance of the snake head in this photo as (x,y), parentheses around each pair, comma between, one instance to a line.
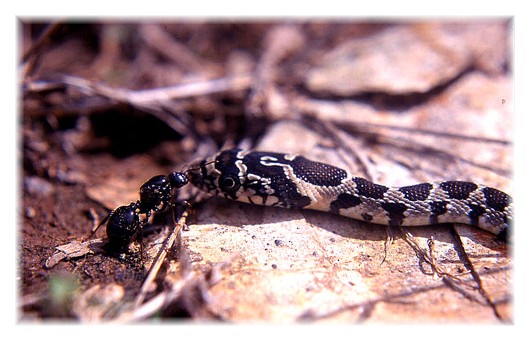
(262,178)
(223,174)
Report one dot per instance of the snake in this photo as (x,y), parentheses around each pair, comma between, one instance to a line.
(294,182)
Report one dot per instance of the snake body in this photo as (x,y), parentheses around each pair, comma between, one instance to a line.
(294,182)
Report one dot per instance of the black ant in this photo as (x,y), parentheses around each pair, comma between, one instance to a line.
(124,223)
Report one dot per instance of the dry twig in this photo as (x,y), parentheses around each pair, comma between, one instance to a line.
(155,268)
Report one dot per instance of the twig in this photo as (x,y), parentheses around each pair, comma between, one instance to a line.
(404,144)
(347,150)
(155,268)
(164,94)
(426,256)
(476,276)
(357,153)
(163,43)
(280,42)
(450,280)
(420,131)
(155,304)
(31,56)
(317,109)
(152,101)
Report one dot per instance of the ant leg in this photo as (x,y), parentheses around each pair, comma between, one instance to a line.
(180,208)
(94,230)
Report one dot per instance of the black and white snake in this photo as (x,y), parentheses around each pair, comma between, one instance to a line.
(291,181)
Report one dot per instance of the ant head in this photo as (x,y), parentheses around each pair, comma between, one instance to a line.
(178,179)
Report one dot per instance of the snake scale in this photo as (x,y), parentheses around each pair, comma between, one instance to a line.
(294,182)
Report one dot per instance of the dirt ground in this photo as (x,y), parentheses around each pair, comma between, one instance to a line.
(89,140)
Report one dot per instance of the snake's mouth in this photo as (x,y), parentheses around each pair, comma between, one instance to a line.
(196,174)
(204,176)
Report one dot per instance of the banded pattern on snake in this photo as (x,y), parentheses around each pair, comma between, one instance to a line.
(292,181)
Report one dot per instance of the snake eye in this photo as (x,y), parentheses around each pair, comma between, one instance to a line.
(229,182)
